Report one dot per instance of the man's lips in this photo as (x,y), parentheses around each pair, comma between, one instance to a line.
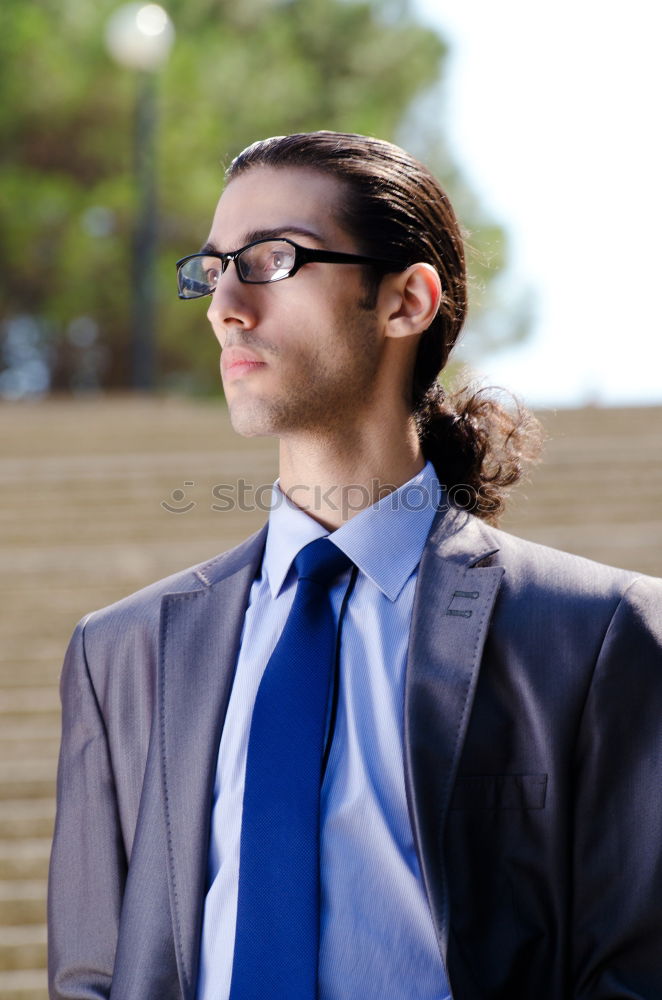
(237,361)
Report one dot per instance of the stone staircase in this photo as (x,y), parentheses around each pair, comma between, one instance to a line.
(83,524)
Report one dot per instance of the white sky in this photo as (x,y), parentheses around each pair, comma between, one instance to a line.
(554,113)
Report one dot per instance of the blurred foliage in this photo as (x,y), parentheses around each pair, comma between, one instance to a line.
(238,71)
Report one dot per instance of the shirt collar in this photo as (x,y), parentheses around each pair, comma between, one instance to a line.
(403,517)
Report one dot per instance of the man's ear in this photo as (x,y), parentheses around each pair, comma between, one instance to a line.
(409,300)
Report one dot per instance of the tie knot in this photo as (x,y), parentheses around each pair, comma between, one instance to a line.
(321,561)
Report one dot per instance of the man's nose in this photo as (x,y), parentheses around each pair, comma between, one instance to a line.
(232,304)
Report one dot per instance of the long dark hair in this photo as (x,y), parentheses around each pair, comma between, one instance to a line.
(397,209)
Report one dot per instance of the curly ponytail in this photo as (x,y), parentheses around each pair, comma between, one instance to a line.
(478,446)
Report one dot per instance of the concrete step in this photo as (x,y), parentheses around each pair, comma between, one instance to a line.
(29,699)
(22,948)
(11,719)
(19,749)
(24,984)
(32,788)
(24,858)
(22,902)
(34,769)
(34,649)
(27,817)
(29,673)
(26,728)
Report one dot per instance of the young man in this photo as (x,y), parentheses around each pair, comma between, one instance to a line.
(380,749)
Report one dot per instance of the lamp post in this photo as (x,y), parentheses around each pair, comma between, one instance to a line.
(140,36)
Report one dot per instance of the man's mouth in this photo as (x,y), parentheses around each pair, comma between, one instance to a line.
(238,361)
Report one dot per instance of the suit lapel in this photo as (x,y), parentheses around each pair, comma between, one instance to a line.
(200,635)
(452,610)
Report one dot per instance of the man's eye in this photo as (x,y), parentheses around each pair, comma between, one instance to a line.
(278,260)
(212,275)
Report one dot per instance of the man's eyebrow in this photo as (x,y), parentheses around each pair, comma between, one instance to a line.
(266,234)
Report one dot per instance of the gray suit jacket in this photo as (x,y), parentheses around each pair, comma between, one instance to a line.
(533,759)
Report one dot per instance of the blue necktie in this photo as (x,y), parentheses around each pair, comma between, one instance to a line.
(277,933)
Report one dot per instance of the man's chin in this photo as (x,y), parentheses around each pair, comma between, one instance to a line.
(250,421)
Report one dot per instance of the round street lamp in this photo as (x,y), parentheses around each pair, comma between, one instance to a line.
(140,36)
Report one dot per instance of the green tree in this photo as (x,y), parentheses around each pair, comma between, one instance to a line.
(238,71)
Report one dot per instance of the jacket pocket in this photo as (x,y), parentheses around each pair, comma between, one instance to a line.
(499,791)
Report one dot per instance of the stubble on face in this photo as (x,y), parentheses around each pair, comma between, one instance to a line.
(324,380)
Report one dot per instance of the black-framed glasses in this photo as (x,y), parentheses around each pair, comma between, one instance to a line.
(259,263)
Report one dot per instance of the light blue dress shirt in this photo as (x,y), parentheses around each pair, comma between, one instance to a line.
(377,939)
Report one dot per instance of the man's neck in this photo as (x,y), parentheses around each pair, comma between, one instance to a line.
(333,479)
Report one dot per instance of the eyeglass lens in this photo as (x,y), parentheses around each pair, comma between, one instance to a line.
(261,263)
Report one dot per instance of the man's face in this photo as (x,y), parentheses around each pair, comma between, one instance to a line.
(298,355)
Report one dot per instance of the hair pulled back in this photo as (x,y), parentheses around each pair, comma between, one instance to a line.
(397,209)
